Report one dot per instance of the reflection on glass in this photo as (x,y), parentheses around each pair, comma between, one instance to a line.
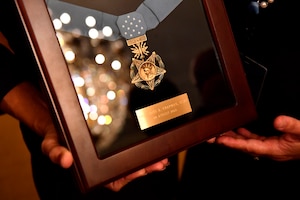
(99,61)
(99,71)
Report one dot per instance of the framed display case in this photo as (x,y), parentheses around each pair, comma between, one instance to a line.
(96,59)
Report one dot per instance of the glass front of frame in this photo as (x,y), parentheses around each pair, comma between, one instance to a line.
(119,113)
(108,108)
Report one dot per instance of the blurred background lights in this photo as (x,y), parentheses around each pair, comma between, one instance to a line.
(65,18)
(60,39)
(104,108)
(116,65)
(124,101)
(103,99)
(107,31)
(76,32)
(104,120)
(111,95)
(93,116)
(78,81)
(93,33)
(108,119)
(104,78)
(90,21)
(100,59)
(96,67)
(57,24)
(93,108)
(112,85)
(84,104)
(70,55)
(90,91)
(101,120)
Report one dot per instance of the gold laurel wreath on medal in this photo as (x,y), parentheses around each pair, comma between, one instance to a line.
(145,74)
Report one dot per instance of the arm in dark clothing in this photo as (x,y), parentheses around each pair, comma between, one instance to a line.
(9,76)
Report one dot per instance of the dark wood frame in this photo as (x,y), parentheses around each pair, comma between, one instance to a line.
(89,169)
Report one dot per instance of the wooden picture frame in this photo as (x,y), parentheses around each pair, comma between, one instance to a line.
(92,169)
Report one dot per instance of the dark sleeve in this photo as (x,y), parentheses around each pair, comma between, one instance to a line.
(10,76)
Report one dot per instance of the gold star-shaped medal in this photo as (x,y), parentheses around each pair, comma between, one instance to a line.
(147,71)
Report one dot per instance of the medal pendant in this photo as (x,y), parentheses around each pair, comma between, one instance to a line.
(146,72)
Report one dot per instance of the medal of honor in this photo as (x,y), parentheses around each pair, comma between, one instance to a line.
(146,71)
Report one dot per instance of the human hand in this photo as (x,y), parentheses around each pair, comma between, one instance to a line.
(280,148)
(60,155)
(118,184)
(57,153)
(34,112)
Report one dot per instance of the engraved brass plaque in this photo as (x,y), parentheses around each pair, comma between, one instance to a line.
(163,111)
